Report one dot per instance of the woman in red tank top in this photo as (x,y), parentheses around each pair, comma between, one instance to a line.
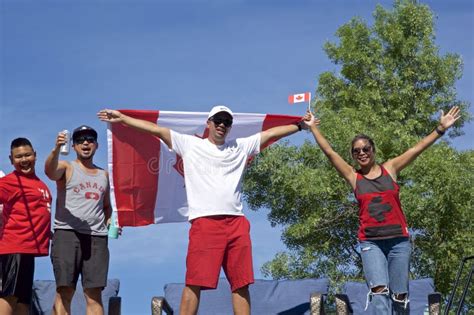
(383,232)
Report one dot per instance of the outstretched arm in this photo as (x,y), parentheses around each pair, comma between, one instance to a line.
(277,133)
(346,170)
(114,116)
(396,165)
(54,168)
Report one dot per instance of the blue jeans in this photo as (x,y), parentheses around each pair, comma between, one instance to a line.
(386,263)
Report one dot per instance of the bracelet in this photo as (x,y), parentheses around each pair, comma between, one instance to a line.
(299,126)
(439,132)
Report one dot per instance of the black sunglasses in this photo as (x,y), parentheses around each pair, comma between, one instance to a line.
(357,151)
(217,121)
(81,139)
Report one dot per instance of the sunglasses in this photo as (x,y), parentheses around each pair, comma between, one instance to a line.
(217,121)
(366,149)
(81,139)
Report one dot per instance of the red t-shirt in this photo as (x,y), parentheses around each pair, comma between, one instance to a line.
(380,211)
(26,215)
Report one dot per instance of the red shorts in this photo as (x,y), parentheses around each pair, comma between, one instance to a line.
(217,241)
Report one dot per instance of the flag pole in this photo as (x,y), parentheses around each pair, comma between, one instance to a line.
(309,103)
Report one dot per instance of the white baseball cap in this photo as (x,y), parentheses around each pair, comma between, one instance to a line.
(218,109)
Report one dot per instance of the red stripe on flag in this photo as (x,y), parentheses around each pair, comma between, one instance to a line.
(307,96)
(135,170)
(271,121)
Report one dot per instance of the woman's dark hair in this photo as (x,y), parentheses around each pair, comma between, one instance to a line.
(363,137)
(20,142)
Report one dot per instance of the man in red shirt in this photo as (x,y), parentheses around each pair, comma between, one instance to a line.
(26,230)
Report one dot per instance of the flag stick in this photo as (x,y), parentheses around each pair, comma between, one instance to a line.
(309,103)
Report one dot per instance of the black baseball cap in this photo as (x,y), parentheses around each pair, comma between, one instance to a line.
(84,130)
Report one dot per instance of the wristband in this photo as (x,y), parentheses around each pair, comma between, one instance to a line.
(299,126)
(439,132)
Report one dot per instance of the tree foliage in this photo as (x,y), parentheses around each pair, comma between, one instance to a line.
(390,83)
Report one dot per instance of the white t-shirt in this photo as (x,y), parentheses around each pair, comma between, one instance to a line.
(213,173)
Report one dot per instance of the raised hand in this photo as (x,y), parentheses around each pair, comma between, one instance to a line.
(61,139)
(110,115)
(450,118)
(311,121)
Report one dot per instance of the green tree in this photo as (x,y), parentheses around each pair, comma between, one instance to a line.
(390,84)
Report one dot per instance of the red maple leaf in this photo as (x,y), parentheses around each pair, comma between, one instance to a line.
(92,195)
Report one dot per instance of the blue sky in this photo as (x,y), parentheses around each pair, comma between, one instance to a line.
(62,61)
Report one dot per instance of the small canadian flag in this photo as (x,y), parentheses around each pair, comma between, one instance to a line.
(299,98)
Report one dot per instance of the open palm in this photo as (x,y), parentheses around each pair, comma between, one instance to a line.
(109,115)
(450,118)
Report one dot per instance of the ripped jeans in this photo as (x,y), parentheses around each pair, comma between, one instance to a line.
(386,263)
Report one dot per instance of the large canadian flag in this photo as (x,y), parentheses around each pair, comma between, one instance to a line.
(147,179)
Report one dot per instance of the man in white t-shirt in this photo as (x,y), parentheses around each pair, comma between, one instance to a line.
(220,233)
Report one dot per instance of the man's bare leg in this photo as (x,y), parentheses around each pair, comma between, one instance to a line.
(62,302)
(21,309)
(241,301)
(94,301)
(7,304)
(190,300)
